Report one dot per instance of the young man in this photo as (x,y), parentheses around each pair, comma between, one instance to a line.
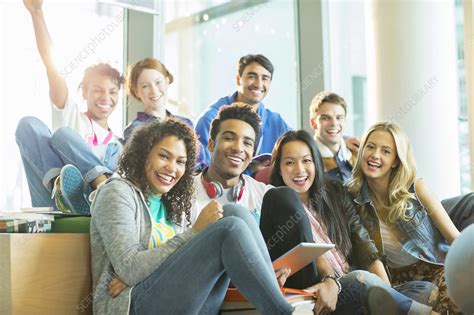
(254,76)
(328,118)
(83,151)
(232,145)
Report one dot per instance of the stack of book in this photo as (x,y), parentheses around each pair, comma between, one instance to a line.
(27,220)
(236,304)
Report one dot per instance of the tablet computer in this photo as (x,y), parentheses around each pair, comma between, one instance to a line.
(300,256)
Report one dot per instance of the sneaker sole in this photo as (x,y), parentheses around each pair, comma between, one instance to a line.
(72,188)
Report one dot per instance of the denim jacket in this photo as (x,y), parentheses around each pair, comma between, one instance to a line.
(419,236)
(112,155)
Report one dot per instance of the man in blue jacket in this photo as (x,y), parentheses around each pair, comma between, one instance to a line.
(254,77)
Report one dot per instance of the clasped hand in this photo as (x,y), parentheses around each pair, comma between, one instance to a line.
(212,212)
(327,292)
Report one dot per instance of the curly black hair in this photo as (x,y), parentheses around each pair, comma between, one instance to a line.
(240,111)
(102,69)
(132,163)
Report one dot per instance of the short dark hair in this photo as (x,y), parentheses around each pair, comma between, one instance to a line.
(240,111)
(102,69)
(132,163)
(332,219)
(260,59)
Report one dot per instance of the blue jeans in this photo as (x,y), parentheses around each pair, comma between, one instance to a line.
(355,285)
(460,210)
(280,207)
(44,154)
(459,270)
(194,280)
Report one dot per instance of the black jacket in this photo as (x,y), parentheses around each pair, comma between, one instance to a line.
(337,198)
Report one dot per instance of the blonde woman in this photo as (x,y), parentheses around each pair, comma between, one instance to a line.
(404,218)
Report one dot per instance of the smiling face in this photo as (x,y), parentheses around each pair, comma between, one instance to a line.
(254,84)
(379,156)
(166,164)
(329,124)
(297,167)
(151,89)
(101,95)
(231,152)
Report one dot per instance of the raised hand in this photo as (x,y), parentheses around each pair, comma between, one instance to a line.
(57,84)
(33,5)
(352,143)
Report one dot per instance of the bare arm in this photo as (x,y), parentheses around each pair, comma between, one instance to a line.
(436,212)
(57,83)
(377,268)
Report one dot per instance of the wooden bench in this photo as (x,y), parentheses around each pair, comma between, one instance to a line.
(45,274)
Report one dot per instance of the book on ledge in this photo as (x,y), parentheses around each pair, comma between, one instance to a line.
(236,303)
(51,210)
(24,222)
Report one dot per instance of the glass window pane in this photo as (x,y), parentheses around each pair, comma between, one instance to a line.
(203,56)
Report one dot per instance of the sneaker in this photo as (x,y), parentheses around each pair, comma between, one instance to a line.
(69,191)
(58,198)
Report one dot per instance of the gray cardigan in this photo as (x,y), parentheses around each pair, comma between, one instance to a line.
(120,233)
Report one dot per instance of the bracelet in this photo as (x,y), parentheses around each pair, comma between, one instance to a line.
(335,279)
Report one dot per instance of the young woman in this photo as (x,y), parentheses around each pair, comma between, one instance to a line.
(148,82)
(407,222)
(146,259)
(81,151)
(311,209)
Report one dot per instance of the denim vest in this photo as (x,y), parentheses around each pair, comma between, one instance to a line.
(419,236)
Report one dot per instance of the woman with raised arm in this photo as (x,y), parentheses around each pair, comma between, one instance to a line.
(404,218)
(82,151)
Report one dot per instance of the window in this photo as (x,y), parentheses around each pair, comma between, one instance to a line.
(202,51)
(463,114)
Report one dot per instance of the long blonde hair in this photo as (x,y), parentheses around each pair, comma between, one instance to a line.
(401,177)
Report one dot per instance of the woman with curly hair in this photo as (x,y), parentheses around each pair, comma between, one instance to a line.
(404,218)
(146,259)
